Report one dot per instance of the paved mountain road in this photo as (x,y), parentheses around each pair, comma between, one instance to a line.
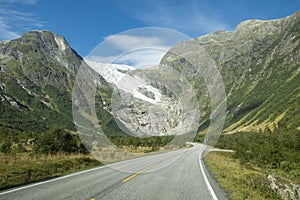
(172,175)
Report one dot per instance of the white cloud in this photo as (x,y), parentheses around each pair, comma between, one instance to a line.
(187,17)
(142,58)
(13,21)
(137,51)
(131,42)
(28,2)
(100,59)
(5,31)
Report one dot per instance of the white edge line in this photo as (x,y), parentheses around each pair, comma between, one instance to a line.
(66,176)
(212,192)
(51,180)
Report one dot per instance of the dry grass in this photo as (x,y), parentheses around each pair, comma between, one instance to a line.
(113,154)
(22,168)
(241,182)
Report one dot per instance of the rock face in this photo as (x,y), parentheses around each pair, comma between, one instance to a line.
(37,72)
(145,103)
(260,65)
(143,118)
(284,188)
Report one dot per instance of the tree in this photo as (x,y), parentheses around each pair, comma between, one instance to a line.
(5,147)
(57,140)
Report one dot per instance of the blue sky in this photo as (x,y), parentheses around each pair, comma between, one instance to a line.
(87,23)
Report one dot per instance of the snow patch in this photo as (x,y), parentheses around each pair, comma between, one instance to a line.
(112,73)
(116,74)
(60,43)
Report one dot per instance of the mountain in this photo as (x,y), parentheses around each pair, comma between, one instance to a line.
(149,101)
(260,64)
(112,73)
(119,77)
(37,73)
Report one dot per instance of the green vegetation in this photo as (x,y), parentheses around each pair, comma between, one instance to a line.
(240,182)
(261,80)
(260,72)
(21,168)
(155,142)
(32,113)
(50,142)
(244,173)
(276,152)
(260,75)
(35,88)
(58,140)
(28,157)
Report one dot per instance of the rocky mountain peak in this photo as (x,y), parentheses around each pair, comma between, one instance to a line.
(259,63)
(37,73)
(41,44)
(46,39)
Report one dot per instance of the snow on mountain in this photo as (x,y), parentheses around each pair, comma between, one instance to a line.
(112,73)
(117,75)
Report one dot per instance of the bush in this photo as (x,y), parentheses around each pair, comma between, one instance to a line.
(57,140)
(273,150)
(5,147)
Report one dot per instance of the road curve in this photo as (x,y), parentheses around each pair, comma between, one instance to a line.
(173,175)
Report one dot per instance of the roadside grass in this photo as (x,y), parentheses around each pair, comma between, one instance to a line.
(241,182)
(31,157)
(22,168)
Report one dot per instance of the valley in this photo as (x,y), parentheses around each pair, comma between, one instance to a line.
(56,107)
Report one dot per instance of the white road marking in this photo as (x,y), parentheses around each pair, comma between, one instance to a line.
(67,176)
(212,192)
(93,169)
(49,181)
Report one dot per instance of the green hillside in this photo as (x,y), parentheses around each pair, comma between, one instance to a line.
(260,65)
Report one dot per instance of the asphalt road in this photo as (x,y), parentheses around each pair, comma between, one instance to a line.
(173,175)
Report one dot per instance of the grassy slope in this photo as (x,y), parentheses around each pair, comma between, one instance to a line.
(260,70)
(244,173)
(240,182)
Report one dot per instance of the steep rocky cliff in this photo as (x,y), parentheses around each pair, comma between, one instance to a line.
(37,73)
(260,64)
